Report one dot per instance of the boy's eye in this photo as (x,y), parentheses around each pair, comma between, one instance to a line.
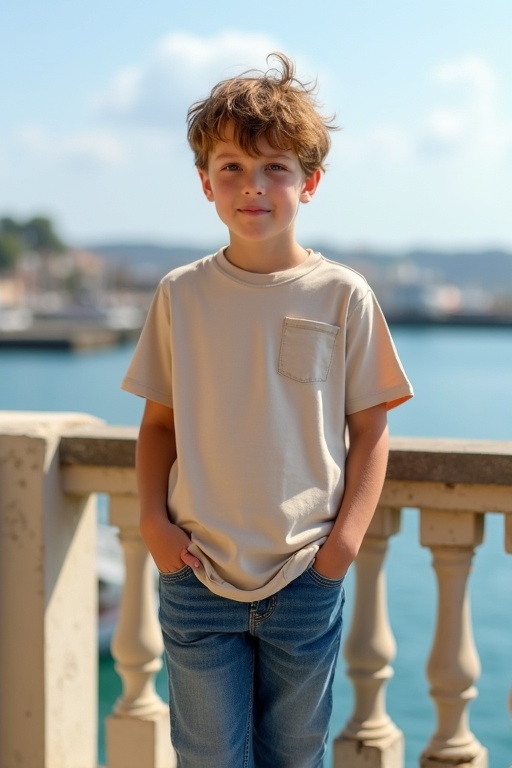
(232,167)
(276,167)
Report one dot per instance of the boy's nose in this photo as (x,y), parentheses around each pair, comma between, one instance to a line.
(254,185)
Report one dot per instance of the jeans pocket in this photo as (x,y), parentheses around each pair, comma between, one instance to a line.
(307,348)
(324,581)
(173,576)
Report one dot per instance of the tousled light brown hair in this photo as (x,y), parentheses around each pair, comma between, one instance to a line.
(272,104)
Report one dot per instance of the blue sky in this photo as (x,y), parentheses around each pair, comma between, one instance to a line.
(93,97)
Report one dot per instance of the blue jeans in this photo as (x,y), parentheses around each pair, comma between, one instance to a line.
(250,684)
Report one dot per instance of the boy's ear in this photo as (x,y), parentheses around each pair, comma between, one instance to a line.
(310,186)
(205,184)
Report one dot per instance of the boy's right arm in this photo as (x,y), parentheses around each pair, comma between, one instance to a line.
(155,455)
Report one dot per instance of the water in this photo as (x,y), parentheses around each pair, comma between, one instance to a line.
(462,379)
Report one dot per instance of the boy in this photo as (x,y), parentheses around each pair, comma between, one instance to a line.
(253,363)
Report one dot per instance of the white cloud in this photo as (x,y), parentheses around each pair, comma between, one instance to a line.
(97,146)
(468,127)
(473,71)
(473,125)
(446,125)
(385,144)
(182,68)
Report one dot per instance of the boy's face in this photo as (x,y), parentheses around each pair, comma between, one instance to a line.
(256,197)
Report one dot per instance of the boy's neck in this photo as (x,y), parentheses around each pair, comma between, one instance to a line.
(265,259)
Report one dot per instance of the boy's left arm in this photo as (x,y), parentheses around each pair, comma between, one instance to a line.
(365,470)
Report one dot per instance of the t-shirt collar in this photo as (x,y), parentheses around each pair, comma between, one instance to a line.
(273,278)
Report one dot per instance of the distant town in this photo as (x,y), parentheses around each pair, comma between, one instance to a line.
(57,294)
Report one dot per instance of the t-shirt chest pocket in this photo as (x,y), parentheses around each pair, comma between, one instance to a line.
(307,349)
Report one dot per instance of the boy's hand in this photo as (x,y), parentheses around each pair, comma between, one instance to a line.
(156,453)
(330,565)
(365,470)
(168,545)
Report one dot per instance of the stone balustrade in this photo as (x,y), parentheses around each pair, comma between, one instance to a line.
(51,468)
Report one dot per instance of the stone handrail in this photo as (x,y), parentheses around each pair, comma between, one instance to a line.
(51,467)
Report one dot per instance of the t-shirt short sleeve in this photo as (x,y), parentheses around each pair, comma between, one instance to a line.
(374,373)
(149,374)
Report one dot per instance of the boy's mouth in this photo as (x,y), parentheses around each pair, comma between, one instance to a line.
(253,209)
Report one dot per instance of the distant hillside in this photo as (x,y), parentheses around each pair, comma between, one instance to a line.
(489,270)
(139,254)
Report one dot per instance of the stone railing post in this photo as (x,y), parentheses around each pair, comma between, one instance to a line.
(48,600)
(370,737)
(138,731)
(508,548)
(453,666)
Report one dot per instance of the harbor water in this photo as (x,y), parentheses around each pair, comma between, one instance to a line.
(463,380)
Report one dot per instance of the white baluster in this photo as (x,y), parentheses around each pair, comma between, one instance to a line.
(453,666)
(138,730)
(508,548)
(48,600)
(370,737)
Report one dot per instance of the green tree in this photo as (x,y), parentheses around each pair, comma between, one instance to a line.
(11,245)
(11,249)
(9,226)
(38,234)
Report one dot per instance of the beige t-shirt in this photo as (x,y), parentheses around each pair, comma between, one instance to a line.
(261,370)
